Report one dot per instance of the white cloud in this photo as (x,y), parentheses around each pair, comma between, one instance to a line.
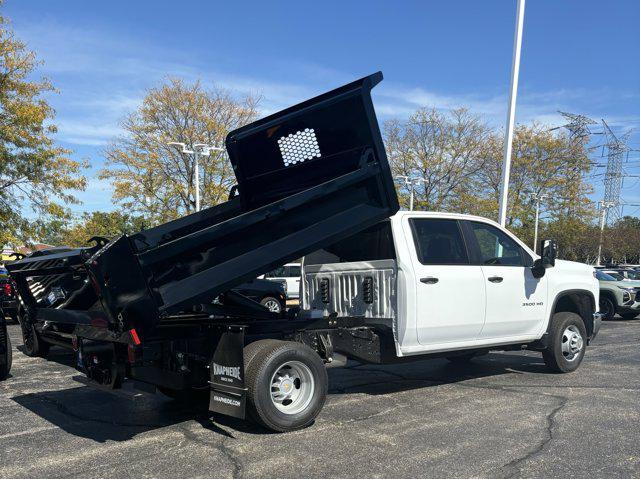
(77,132)
(96,197)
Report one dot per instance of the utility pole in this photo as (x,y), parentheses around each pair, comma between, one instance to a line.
(511,115)
(198,149)
(410,183)
(537,198)
(604,208)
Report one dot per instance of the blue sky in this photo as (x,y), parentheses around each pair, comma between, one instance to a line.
(578,56)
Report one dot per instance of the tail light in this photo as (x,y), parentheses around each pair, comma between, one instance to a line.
(7,289)
(135,337)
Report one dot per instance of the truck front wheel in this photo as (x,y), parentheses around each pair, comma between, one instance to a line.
(567,343)
(287,384)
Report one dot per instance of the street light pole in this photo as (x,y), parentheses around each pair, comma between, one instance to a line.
(199,149)
(411,197)
(511,114)
(537,198)
(409,183)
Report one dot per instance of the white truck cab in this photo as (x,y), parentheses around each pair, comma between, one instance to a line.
(452,283)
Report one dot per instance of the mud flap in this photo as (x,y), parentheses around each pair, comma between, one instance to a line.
(228,391)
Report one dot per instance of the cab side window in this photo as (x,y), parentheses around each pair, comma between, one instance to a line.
(438,241)
(495,247)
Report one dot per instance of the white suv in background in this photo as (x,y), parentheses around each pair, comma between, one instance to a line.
(290,272)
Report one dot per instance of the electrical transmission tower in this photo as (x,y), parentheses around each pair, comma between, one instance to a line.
(616,151)
(578,126)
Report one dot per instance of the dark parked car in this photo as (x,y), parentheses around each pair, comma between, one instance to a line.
(8,298)
(270,294)
(5,348)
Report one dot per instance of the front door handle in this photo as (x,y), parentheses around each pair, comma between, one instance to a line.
(496,279)
(429,280)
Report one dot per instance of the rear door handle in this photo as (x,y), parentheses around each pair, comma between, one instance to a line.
(429,280)
(496,279)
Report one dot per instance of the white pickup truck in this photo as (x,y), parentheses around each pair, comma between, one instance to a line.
(457,285)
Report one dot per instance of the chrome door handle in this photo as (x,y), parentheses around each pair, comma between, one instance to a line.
(429,280)
(496,279)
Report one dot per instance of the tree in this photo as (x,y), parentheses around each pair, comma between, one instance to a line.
(444,150)
(622,240)
(154,179)
(542,163)
(96,223)
(36,176)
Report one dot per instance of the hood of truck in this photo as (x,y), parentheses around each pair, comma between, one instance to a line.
(574,267)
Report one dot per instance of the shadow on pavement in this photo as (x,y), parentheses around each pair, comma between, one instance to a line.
(103,416)
(387,379)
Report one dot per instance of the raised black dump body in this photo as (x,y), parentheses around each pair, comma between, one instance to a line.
(307,177)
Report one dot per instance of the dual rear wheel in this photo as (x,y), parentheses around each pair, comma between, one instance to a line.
(287,384)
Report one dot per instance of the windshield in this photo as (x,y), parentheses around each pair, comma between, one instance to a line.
(635,275)
(604,276)
(617,276)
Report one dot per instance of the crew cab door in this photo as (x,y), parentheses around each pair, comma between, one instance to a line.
(516,301)
(450,302)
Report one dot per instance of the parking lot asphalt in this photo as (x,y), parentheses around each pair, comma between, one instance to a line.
(501,416)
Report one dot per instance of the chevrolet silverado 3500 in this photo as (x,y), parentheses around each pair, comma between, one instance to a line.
(158,307)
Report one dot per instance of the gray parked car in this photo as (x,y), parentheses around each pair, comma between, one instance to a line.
(618,296)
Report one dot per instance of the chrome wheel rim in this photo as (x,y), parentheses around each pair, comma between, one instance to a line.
(572,343)
(292,387)
(272,305)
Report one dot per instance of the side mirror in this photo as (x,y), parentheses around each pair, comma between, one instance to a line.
(549,251)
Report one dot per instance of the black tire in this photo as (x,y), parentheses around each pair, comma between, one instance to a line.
(5,367)
(252,349)
(268,301)
(555,357)
(34,346)
(462,358)
(607,308)
(262,360)
(627,316)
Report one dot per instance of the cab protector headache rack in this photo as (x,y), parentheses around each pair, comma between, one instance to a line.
(307,176)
